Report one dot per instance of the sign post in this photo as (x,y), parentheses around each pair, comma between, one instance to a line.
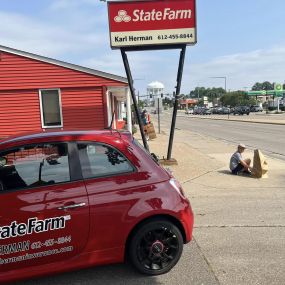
(177,93)
(152,25)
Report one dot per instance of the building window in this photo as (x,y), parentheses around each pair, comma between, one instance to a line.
(51,113)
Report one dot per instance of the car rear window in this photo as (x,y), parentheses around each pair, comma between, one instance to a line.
(99,160)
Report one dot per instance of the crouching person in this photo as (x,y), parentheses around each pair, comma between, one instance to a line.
(238,164)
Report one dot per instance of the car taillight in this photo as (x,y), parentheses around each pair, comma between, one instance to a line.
(177,186)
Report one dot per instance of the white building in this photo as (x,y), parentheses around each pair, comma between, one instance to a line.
(155,88)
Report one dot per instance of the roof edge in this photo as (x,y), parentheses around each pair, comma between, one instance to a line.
(64,64)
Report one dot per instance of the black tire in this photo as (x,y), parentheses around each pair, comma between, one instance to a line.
(156,247)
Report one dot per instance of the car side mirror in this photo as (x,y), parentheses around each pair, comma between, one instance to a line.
(3,161)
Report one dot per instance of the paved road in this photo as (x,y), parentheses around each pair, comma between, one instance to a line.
(268,138)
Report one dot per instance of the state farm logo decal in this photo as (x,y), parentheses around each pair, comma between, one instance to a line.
(154,15)
(33,225)
(122,17)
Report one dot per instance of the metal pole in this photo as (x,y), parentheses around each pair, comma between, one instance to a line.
(158,115)
(130,80)
(178,87)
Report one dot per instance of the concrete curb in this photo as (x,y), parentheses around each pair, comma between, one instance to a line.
(235,120)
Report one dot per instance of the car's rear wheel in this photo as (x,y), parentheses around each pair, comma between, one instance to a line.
(156,247)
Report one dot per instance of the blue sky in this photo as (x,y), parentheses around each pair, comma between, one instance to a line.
(243,40)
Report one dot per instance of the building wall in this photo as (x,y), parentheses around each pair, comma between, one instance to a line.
(82,107)
(19,112)
(20,80)
(17,72)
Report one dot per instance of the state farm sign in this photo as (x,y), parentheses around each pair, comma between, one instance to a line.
(147,23)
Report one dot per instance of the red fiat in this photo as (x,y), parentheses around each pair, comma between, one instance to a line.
(75,199)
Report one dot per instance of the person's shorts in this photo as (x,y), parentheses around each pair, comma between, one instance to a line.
(237,169)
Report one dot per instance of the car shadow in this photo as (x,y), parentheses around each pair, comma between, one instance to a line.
(118,274)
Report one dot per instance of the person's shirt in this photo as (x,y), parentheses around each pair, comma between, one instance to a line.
(235,160)
(144,120)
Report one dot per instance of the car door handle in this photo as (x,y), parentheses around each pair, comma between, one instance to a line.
(73,206)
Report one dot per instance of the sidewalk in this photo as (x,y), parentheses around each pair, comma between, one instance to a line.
(239,221)
(273,119)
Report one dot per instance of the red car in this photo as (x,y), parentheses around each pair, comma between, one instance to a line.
(75,199)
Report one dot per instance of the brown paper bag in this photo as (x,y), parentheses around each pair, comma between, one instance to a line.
(151,131)
(150,128)
(260,165)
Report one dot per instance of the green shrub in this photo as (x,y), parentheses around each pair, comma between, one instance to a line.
(134,129)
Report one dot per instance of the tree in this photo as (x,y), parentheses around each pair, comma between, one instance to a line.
(167,101)
(257,87)
(211,93)
(266,85)
(237,98)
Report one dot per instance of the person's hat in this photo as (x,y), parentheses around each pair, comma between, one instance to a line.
(241,145)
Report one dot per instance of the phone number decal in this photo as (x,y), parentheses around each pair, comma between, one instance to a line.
(175,36)
(50,242)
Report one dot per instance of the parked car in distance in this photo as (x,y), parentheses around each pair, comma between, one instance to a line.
(198,111)
(256,108)
(74,199)
(241,110)
(189,111)
(216,110)
(206,111)
(225,110)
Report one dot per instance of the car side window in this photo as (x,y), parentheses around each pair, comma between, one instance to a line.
(98,160)
(34,166)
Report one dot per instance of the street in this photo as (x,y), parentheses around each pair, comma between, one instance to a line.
(268,138)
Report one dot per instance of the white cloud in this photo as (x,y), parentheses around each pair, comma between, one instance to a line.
(46,39)
(242,69)
(145,66)
(67,4)
(86,14)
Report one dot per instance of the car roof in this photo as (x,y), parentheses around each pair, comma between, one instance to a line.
(65,135)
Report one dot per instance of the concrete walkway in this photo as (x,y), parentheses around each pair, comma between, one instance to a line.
(239,221)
